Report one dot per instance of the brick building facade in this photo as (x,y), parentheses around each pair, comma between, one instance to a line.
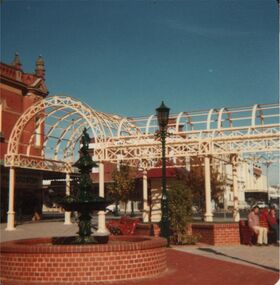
(18,91)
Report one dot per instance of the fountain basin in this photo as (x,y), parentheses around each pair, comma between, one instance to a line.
(95,204)
(37,261)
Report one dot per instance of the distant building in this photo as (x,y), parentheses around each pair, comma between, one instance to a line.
(252,184)
(18,91)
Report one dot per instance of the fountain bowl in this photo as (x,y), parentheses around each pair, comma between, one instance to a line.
(38,261)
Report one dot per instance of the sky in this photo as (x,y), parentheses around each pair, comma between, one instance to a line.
(125,57)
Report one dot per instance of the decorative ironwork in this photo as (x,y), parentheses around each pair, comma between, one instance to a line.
(241,131)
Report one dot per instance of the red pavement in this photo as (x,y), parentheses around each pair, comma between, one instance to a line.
(190,269)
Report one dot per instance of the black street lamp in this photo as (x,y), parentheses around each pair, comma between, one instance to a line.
(163,116)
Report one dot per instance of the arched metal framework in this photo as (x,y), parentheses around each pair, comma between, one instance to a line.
(216,132)
(60,122)
(238,131)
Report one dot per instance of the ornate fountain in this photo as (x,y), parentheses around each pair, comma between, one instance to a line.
(84,202)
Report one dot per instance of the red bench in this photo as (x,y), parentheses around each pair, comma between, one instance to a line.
(249,237)
(122,226)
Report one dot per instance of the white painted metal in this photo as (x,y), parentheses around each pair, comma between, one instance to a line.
(67,215)
(250,130)
(102,230)
(148,124)
(11,210)
(134,140)
(101,179)
(65,116)
(209,120)
(146,209)
(208,216)
(236,215)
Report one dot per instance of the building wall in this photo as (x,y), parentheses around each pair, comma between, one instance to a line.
(18,91)
(248,181)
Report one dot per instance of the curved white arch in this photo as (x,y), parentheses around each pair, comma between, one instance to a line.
(148,124)
(73,139)
(208,125)
(220,116)
(254,110)
(178,121)
(41,106)
(63,134)
(120,126)
(56,112)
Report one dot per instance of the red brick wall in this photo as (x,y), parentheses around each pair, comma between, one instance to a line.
(15,101)
(217,234)
(37,262)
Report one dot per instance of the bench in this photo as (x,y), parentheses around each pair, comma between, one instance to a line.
(122,226)
(144,230)
(249,237)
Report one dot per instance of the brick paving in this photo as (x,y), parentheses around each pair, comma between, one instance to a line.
(188,265)
(259,257)
(190,269)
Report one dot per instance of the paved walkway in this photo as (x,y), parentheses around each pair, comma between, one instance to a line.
(187,265)
(189,269)
(265,257)
(38,229)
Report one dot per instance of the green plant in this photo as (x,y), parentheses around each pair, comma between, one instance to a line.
(180,211)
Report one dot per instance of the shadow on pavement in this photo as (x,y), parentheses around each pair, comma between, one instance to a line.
(210,250)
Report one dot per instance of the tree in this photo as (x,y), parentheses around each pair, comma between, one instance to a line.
(179,211)
(195,181)
(123,185)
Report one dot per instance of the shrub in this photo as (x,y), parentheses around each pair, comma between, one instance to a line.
(180,212)
(186,239)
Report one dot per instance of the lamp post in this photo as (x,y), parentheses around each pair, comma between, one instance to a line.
(162,117)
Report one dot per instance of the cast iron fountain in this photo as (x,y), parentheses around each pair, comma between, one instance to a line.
(84,202)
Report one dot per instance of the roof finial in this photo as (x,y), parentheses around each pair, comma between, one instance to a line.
(40,67)
(16,62)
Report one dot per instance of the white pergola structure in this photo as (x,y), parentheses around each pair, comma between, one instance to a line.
(59,122)
(212,133)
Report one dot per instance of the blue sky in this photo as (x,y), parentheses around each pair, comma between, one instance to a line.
(125,57)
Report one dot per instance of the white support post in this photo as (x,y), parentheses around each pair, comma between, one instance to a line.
(67,215)
(101,179)
(146,208)
(102,230)
(11,212)
(236,215)
(208,216)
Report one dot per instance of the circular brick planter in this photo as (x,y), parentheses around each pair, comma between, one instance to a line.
(37,261)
